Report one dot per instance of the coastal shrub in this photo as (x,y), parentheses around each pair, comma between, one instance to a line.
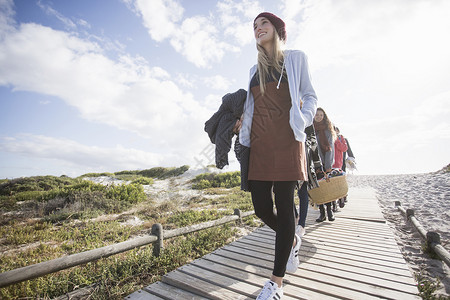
(82,200)
(108,174)
(427,288)
(143,181)
(163,173)
(229,199)
(7,203)
(131,193)
(208,180)
(126,173)
(36,183)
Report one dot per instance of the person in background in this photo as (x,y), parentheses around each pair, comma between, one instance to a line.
(273,126)
(315,173)
(349,152)
(340,147)
(325,138)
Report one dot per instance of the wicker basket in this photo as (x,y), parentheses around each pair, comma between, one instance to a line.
(329,191)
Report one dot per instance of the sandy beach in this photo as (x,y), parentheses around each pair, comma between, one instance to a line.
(429,195)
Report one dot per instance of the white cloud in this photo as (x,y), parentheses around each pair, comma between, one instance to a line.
(197,38)
(52,12)
(231,14)
(396,32)
(83,23)
(126,94)
(218,82)
(213,102)
(160,17)
(77,155)
(6,16)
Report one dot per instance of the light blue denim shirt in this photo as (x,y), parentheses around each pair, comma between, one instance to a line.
(300,87)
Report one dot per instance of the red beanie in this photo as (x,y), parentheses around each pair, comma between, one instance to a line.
(277,22)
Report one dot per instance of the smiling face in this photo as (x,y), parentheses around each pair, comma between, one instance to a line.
(319,116)
(264,31)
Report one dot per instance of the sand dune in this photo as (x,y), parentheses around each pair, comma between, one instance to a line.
(429,196)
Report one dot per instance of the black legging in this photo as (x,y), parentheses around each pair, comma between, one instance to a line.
(284,226)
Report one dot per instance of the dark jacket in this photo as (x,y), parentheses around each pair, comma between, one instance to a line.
(315,168)
(220,126)
(243,156)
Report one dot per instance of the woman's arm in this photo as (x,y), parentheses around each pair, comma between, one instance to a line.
(307,92)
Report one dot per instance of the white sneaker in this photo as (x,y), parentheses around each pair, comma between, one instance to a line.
(300,230)
(270,291)
(293,262)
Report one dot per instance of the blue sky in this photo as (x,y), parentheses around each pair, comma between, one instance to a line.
(104,86)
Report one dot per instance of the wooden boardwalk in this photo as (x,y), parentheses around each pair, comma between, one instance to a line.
(354,257)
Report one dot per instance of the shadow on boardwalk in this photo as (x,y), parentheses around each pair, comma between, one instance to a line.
(354,257)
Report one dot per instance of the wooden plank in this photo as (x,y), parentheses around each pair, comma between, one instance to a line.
(393,256)
(335,233)
(364,247)
(347,274)
(336,229)
(166,291)
(254,253)
(356,269)
(385,238)
(257,277)
(410,288)
(317,241)
(233,284)
(142,295)
(355,227)
(268,264)
(299,281)
(356,286)
(387,266)
(195,285)
(362,204)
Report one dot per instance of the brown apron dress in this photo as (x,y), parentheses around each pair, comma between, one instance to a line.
(275,154)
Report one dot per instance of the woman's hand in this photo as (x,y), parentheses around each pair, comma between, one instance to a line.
(237,127)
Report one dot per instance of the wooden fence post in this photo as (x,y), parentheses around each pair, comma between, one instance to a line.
(433,238)
(409,213)
(238,213)
(157,230)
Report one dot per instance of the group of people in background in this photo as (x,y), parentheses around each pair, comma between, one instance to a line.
(333,148)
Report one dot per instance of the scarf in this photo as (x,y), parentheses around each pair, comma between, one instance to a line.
(321,127)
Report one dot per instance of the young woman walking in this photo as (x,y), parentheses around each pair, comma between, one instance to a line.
(273,126)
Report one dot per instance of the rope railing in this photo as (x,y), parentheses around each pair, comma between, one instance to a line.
(156,236)
(432,238)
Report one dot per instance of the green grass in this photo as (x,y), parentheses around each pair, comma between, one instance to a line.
(123,274)
(55,218)
(427,288)
(157,172)
(208,180)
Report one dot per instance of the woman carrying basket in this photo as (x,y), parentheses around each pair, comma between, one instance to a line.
(325,138)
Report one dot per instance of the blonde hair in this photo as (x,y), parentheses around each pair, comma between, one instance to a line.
(267,64)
